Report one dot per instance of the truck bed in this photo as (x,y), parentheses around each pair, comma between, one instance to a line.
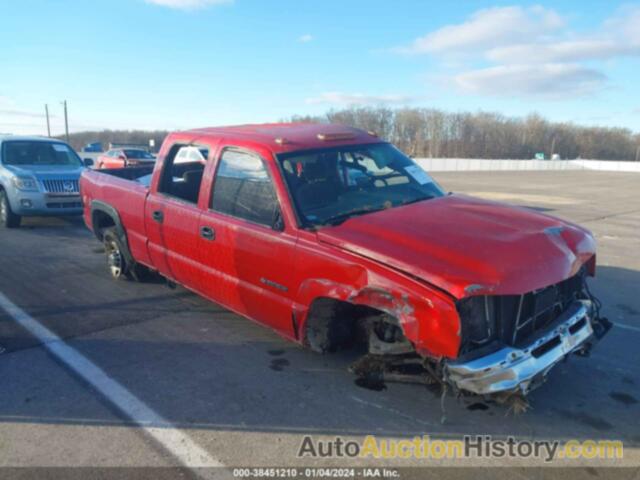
(139,174)
(123,189)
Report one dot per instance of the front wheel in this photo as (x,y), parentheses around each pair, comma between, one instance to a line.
(8,219)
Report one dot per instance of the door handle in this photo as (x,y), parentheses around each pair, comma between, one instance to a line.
(158,216)
(207,233)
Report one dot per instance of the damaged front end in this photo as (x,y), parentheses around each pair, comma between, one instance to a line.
(510,342)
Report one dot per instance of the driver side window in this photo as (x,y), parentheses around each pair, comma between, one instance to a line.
(243,188)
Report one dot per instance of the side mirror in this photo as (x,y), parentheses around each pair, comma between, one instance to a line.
(278,221)
(88,162)
(122,157)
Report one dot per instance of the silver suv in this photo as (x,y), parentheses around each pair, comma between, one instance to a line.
(38,177)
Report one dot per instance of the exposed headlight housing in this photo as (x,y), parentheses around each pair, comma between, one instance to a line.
(478,320)
(26,184)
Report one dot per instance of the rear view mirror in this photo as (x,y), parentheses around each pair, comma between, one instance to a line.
(88,162)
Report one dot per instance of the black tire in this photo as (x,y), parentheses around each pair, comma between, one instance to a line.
(119,266)
(140,273)
(8,219)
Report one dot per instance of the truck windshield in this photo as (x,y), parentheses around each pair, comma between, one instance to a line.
(331,185)
(39,153)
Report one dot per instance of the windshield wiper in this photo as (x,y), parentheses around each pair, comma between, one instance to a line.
(343,217)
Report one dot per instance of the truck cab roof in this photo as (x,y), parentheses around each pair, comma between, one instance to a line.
(289,137)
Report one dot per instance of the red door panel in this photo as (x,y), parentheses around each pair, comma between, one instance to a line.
(249,269)
(181,241)
(153,220)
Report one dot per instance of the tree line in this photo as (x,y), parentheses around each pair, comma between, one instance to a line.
(426,132)
(105,137)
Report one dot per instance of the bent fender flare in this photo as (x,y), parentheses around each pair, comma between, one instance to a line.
(437,336)
(309,291)
(378,298)
(99,206)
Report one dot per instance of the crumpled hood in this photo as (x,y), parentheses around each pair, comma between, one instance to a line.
(466,246)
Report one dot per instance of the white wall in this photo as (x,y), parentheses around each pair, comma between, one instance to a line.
(475,164)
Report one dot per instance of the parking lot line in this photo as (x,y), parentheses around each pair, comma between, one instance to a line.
(177,443)
(627,327)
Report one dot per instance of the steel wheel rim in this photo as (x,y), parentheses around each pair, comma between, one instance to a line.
(114,260)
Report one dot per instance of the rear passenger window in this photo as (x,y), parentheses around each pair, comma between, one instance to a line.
(243,188)
(182,176)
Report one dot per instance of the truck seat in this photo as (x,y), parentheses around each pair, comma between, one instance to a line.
(189,187)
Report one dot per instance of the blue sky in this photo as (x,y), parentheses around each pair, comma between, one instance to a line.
(174,64)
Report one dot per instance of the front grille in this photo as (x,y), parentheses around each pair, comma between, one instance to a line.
(69,186)
(64,205)
(538,309)
(514,319)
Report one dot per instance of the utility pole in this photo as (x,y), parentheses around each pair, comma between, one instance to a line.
(46,111)
(66,121)
(638,154)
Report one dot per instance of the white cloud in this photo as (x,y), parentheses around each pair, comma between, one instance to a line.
(624,24)
(529,51)
(618,36)
(306,38)
(563,51)
(488,28)
(340,98)
(545,80)
(188,4)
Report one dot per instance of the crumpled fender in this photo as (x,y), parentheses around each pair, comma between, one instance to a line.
(427,318)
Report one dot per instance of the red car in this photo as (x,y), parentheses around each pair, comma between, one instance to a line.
(330,235)
(124,157)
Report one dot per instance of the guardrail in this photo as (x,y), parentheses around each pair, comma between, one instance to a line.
(477,164)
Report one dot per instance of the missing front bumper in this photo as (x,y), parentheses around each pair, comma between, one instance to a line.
(522,369)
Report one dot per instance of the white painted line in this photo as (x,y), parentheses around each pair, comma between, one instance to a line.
(178,444)
(626,327)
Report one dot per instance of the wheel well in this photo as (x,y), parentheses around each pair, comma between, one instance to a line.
(101,221)
(333,324)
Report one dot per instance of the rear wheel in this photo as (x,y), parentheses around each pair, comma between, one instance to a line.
(116,261)
(8,219)
(119,266)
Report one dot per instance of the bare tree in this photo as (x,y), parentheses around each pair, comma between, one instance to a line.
(427,132)
(434,133)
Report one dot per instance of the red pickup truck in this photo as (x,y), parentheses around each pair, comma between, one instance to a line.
(330,235)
